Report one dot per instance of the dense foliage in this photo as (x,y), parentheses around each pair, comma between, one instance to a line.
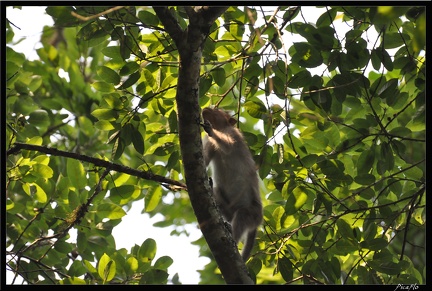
(335,122)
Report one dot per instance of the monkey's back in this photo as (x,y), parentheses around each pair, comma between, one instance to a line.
(234,171)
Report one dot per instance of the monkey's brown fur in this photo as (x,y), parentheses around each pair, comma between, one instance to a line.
(235,179)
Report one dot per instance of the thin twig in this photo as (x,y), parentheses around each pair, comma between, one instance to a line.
(87,18)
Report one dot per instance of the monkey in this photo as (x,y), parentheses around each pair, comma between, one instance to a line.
(235,181)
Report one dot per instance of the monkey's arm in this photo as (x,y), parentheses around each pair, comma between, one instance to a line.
(209,151)
(207,127)
(221,140)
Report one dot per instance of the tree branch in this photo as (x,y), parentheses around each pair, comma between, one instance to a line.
(86,18)
(170,24)
(208,14)
(100,163)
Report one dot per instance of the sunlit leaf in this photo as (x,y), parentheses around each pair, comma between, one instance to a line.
(103,86)
(147,251)
(36,140)
(152,198)
(72,281)
(131,265)
(108,75)
(43,171)
(105,114)
(295,200)
(110,211)
(255,108)
(76,173)
(40,194)
(106,268)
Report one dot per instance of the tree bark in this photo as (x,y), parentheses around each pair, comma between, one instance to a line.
(189,43)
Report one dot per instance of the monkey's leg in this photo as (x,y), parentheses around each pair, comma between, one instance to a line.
(243,224)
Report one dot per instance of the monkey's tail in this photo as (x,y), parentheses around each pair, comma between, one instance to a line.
(248,245)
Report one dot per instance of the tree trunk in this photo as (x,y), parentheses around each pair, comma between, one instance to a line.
(189,43)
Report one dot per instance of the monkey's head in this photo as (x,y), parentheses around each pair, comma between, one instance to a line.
(219,119)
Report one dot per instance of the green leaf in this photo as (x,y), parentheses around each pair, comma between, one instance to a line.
(105,114)
(152,198)
(277,215)
(110,211)
(154,276)
(387,267)
(147,251)
(389,89)
(62,15)
(219,76)
(344,229)
(103,87)
(305,55)
(393,40)
(35,140)
(205,84)
(147,18)
(108,75)
(42,171)
(9,205)
(365,179)
(92,31)
(365,161)
(131,266)
(375,244)
(252,87)
(400,131)
(309,160)
(414,173)
(121,194)
(106,268)
(40,194)
(104,125)
(326,18)
(255,108)
(138,141)
(112,52)
(384,57)
(39,118)
(72,281)
(300,80)
(285,268)
(163,263)
(76,174)
(63,247)
(387,156)
(131,80)
(149,78)
(344,247)
(90,267)
(129,68)
(117,148)
(126,47)
(295,200)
